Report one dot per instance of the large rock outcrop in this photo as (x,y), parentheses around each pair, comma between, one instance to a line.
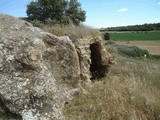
(39,71)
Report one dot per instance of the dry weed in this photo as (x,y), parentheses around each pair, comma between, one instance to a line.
(128,93)
(72,31)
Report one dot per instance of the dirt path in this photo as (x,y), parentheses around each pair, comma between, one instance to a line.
(152,46)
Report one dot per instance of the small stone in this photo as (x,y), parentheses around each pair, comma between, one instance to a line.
(33,56)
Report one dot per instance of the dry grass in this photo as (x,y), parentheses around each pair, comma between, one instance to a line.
(72,31)
(130,92)
(152,46)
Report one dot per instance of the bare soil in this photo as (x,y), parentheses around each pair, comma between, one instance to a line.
(153,47)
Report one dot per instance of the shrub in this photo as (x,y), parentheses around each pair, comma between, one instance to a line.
(156,57)
(106,36)
(131,51)
(36,23)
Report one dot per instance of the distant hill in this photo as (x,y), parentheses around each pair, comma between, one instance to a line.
(144,27)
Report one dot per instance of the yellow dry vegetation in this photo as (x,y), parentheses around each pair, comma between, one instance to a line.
(131,91)
(74,32)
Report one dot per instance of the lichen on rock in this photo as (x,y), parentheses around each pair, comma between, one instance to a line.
(39,71)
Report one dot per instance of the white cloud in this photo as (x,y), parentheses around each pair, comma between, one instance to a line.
(159,3)
(122,10)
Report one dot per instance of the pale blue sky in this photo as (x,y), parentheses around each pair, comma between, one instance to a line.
(101,13)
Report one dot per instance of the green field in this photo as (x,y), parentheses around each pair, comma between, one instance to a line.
(135,36)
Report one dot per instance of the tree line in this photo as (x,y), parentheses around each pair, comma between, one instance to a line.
(144,27)
(55,12)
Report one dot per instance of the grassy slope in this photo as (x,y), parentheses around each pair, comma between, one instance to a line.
(134,36)
(131,91)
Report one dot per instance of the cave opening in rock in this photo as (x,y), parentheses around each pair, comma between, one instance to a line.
(96,68)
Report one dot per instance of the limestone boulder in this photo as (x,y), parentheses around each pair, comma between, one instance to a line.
(39,71)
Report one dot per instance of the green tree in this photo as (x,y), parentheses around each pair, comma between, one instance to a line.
(75,13)
(43,10)
(60,11)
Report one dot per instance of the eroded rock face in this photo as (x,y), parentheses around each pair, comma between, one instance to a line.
(39,71)
(93,57)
